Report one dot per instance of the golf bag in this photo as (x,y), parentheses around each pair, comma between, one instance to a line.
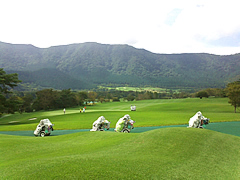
(44,128)
(128,127)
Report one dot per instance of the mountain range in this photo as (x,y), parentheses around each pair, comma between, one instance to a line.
(87,65)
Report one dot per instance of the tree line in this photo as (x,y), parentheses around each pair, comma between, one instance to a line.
(50,99)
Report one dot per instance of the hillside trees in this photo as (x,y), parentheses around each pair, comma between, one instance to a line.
(13,104)
(233,93)
(67,99)
(27,103)
(7,82)
(81,97)
(216,92)
(46,99)
(92,96)
(49,99)
(84,66)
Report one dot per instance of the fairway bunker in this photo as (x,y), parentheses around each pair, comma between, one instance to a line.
(223,127)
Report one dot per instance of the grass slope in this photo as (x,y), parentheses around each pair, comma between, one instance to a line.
(170,153)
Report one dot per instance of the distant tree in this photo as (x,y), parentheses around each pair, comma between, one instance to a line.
(101,99)
(202,94)
(2,104)
(92,96)
(13,104)
(81,97)
(115,99)
(27,103)
(150,94)
(7,82)
(130,97)
(67,98)
(147,95)
(155,95)
(180,95)
(233,93)
(46,99)
(217,92)
(140,96)
(109,96)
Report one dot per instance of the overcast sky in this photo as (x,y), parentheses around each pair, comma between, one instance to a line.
(160,26)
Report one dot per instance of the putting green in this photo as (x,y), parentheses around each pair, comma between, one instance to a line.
(232,128)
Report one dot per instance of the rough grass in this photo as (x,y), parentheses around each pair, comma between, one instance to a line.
(170,153)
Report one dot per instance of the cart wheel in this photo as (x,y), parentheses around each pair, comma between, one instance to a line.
(36,135)
(126,131)
(42,134)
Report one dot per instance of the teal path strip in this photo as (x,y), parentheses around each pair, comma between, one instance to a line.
(232,128)
(54,133)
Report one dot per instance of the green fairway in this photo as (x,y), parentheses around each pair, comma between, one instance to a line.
(149,113)
(148,152)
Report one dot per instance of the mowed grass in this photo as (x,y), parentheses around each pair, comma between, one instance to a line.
(168,153)
(149,113)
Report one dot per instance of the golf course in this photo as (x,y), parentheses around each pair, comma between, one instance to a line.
(159,147)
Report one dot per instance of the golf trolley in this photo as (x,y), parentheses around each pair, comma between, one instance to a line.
(104,127)
(43,131)
(44,128)
(133,108)
(198,121)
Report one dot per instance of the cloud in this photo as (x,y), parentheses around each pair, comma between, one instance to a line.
(172,16)
(232,40)
(159,26)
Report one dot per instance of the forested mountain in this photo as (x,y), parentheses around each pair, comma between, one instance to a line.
(86,65)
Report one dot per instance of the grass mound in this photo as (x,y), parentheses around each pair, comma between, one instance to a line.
(169,153)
